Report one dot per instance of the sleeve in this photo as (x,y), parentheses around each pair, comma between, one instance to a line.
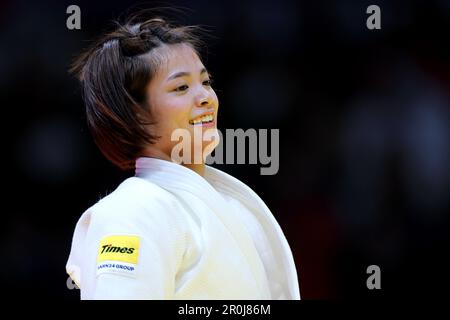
(132,252)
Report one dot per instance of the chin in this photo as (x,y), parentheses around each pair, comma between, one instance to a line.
(208,147)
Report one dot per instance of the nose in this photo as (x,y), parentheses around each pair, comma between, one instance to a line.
(204,98)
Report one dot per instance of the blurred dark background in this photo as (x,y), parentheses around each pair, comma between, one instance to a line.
(364,136)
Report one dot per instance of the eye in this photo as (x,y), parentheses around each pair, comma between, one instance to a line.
(181,88)
(208,82)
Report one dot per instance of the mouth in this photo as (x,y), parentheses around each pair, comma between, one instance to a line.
(204,119)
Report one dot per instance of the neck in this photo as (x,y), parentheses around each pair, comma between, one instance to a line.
(198,168)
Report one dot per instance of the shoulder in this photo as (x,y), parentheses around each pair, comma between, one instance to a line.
(132,196)
(136,204)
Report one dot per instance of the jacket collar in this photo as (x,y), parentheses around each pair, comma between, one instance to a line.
(172,175)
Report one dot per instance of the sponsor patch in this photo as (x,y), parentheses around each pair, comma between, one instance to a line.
(118,254)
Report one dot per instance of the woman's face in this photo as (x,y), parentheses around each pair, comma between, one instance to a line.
(180,97)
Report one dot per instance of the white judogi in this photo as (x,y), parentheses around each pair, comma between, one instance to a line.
(191,237)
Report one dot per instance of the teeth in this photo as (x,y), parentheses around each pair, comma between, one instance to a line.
(207,118)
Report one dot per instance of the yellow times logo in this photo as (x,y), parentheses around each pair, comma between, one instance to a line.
(119,248)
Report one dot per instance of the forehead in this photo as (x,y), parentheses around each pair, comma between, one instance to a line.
(176,58)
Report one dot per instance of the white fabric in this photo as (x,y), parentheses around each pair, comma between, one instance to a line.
(205,238)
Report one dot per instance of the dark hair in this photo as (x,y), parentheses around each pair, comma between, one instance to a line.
(114,74)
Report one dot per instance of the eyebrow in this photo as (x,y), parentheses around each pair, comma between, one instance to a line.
(183,74)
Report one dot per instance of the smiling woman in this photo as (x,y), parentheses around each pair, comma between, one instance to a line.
(180,97)
(173,231)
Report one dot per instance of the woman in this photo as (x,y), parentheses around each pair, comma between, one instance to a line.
(178,229)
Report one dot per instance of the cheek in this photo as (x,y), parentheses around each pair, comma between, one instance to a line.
(173,113)
(216,100)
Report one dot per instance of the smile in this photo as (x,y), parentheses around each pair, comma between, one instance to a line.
(204,119)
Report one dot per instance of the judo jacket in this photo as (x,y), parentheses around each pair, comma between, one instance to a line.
(169,233)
